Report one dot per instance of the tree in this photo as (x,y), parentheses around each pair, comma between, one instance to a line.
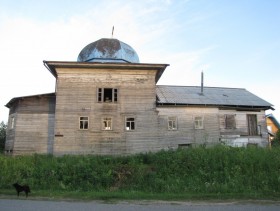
(3,128)
(276,140)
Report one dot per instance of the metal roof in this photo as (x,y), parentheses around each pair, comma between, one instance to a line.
(108,50)
(215,96)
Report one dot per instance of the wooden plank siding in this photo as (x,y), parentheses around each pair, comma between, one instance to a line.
(51,123)
(274,128)
(186,132)
(77,96)
(240,134)
(33,127)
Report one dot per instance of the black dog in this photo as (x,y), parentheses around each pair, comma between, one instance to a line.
(20,188)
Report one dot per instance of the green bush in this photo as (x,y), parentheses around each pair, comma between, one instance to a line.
(3,128)
(217,170)
(276,140)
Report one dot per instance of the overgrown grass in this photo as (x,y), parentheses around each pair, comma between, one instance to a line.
(218,173)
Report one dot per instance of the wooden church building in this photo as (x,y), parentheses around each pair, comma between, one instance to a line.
(109,103)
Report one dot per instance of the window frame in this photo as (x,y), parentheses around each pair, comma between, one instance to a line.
(82,123)
(200,126)
(12,123)
(228,124)
(107,120)
(102,92)
(174,121)
(130,123)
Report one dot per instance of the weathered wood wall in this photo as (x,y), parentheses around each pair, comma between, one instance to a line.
(77,96)
(186,134)
(50,124)
(239,135)
(273,127)
(33,130)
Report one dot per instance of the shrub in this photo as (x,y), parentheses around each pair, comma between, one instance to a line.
(3,128)
(217,170)
(276,140)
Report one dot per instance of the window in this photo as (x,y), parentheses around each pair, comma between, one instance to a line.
(107,124)
(184,146)
(230,121)
(12,124)
(129,123)
(83,123)
(107,95)
(252,125)
(198,122)
(172,123)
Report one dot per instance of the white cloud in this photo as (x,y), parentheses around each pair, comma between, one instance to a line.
(152,28)
(26,42)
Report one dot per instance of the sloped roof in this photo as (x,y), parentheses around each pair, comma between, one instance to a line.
(212,96)
(10,103)
(274,120)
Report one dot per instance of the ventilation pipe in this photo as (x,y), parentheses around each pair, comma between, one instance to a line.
(202,83)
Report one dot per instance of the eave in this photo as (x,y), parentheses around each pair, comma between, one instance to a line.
(219,106)
(13,100)
(52,65)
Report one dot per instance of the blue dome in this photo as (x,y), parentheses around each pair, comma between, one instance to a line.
(108,50)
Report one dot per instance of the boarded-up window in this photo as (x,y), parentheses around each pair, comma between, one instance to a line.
(230,121)
(252,125)
(198,122)
(172,123)
(83,123)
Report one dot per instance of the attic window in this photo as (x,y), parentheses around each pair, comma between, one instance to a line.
(107,95)
(230,121)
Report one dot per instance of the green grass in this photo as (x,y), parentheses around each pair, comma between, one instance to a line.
(134,195)
(191,174)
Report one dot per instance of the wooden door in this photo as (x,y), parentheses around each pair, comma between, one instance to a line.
(252,125)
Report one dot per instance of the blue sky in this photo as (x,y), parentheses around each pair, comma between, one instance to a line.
(236,43)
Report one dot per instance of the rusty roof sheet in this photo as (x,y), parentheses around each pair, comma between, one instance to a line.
(218,96)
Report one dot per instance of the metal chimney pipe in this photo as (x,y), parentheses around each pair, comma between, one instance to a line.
(202,80)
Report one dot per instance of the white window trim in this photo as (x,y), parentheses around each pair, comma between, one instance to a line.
(84,122)
(107,128)
(198,127)
(12,123)
(125,121)
(100,91)
(172,119)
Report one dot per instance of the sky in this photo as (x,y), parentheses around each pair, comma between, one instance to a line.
(235,43)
